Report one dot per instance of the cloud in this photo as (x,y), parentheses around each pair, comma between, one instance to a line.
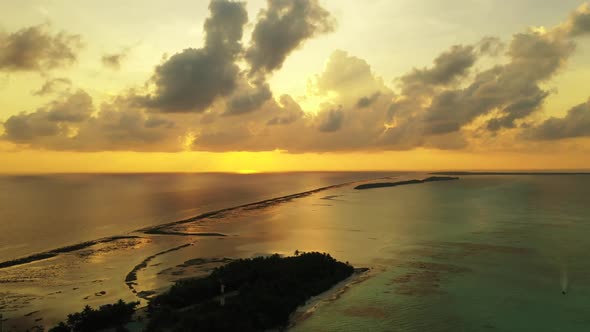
(339,126)
(280,29)
(579,22)
(350,78)
(491,46)
(191,80)
(575,124)
(74,108)
(330,120)
(289,112)
(191,93)
(69,123)
(448,67)
(52,85)
(283,27)
(366,101)
(250,99)
(37,49)
(511,91)
(218,98)
(517,110)
(119,129)
(54,119)
(113,60)
(27,128)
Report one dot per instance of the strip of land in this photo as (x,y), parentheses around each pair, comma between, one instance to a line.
(131,277)
(62,250)
(403,183)
(510,173)
(164,232)
(160,229)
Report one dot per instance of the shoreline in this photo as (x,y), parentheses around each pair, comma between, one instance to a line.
(63,250)
(334,293)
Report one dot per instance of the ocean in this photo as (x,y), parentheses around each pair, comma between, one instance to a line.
(484,253)
(42,212)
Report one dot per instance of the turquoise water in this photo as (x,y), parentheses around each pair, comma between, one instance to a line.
(486,253)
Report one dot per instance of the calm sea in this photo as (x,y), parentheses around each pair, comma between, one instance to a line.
(44,212)
(485,253)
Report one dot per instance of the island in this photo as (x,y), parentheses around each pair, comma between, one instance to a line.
(402,183)
(254,294)
(511,173)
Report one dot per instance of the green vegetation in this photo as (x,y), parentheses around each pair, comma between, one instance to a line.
(90,320)
(245,295)
(260,294)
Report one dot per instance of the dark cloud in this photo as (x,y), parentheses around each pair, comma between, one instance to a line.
(54,119)
(513,90)
(448,67)
(68,123)
(282,28)
(536,55)
(334,128)
(366,101)
(37,49)
(27,128)
(52,85)
(191,80)
(115,129)
(330,120)
(158,122)
(74,108)
(579,23)
(490,45)
(114,60)
(249,100)
(287,114)
(519,109)
(575,124)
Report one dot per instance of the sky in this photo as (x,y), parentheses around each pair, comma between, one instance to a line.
(293,85)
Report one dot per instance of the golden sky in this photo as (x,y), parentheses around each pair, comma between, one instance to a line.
(157,86)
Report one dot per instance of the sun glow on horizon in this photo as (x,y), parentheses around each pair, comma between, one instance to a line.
(247,171)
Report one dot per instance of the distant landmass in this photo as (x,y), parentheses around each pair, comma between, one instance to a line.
(511,173)
(402,183)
